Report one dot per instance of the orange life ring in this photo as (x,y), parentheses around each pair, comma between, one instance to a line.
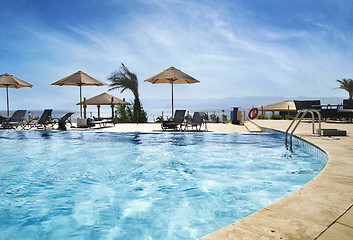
(252,115)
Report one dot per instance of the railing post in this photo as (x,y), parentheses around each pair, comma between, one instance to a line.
(295,118)
(304,111)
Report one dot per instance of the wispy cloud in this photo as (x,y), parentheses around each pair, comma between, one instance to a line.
(228,51)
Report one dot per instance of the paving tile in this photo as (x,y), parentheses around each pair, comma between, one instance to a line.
(347,218)
(326,195)
(341,183)
(339,169)
(298,206)
(234,232)
(337,232)
(277,225)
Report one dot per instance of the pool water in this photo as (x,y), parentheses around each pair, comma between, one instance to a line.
(85,185)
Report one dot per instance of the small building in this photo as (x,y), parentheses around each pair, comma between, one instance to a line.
(102,99)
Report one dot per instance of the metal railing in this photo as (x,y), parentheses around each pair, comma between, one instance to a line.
(302,112)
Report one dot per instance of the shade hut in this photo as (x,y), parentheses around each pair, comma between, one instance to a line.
(286,107)
(102,99)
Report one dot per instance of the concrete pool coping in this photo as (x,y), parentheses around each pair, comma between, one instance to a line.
(322,209)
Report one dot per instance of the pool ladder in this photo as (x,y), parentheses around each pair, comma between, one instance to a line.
(302,112)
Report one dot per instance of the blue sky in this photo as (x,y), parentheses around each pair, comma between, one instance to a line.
(237,48)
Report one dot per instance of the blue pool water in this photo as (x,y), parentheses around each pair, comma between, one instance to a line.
(84,185)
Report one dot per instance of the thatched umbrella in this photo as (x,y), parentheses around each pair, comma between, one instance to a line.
(280,107)
(172,76)
(102,99)
(284,106)
(9,81)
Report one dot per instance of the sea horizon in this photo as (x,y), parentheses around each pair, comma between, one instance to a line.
(158,107)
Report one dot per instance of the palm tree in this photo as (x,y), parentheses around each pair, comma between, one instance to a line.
(347,84)
(124,79)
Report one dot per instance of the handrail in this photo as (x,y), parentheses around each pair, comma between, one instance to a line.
(303,112)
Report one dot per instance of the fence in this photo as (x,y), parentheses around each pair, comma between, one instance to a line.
(212,115)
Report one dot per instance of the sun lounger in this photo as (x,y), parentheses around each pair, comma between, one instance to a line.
(347,104)
(43,121)
(197,121)
(2,119)
(102,122)
(307,104)
(347,111)
(177,121)
(340,111)
(17,119)
(62,121)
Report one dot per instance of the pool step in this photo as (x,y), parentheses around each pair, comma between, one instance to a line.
(252,127)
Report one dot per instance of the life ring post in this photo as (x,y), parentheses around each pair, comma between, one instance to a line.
(253,113)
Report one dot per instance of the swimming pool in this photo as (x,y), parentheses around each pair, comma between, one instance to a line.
(85,185)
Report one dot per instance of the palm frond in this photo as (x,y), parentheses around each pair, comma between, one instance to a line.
(346,84)
(126,80)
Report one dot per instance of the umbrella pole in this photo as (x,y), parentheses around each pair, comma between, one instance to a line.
(7,95)
(81,101)
(172,101)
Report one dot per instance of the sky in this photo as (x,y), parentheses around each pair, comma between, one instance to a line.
(236,48)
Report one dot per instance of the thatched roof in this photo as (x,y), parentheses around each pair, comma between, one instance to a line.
(281,107)
(103,99)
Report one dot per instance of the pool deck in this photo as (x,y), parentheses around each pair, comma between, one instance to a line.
(322,209)
(156,127)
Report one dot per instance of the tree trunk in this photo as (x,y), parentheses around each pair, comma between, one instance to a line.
(137,109)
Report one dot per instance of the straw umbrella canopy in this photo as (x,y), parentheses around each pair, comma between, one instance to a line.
(102,99)
(172,76)
(8,81)
(280,107)
(79,79)
(285,106)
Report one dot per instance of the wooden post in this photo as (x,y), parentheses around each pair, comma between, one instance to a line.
(112,104)
(99,110)
(84,108)
(84,111)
